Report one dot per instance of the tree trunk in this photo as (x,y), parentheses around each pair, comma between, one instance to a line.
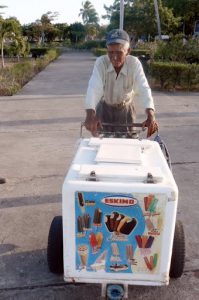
(2,55)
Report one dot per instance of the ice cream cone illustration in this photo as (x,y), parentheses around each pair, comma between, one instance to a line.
(99,264)
(83,254)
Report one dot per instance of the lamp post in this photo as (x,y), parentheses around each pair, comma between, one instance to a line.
(157,18)
(121,14)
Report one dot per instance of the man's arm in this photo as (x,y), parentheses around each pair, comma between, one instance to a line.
(93,96)
(143,91)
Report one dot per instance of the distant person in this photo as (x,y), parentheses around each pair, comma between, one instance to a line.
(2,180)
(117,77)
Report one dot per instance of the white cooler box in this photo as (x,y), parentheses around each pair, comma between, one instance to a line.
(119,212)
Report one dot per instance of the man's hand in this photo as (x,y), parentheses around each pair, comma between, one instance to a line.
(150,122)
(92,123)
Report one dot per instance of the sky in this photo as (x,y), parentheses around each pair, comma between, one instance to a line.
(27,11)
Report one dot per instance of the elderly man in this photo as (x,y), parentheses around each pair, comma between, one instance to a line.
(117,77)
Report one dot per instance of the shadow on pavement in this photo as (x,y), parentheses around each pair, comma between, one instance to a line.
(30,200)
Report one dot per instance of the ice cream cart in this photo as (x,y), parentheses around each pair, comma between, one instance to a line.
(118,224)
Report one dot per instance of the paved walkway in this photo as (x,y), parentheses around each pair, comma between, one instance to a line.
(39,129)
(68,75)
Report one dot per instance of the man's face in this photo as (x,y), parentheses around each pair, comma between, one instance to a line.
(117,55)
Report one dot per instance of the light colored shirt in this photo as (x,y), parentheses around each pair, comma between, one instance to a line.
(107,86)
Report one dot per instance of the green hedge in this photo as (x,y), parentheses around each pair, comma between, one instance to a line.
(99,51)
(134,52)
(91,44)
(38,52)
(13,78)
(140,52)
(172,75)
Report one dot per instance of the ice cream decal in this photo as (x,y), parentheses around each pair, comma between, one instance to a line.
(118,233)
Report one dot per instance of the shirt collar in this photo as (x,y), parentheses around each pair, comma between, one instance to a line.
(122,71)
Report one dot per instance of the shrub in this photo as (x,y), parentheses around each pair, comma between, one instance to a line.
(38,52)
(91,44)
(140,52)
(172,75)
(22,72)
(13,78)
(100,51)
(8,85)
(176,51)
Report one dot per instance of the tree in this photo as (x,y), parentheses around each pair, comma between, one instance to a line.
(188,10)
(63,31)
(10,30)
(32,31)
(88,13)
(140,19)
(113,14)
(19,47)
(77,32)
(47,31)
(91,31)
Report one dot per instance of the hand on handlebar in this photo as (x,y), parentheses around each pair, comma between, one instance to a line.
(92,123)
(150,123)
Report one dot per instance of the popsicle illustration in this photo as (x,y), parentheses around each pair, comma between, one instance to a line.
(149,224)
(93,242)
(81,201)
(97,219)
(87,219)
(99,238)
(144,243)
(80,224)
(115,251)
(151,263)
(129,255)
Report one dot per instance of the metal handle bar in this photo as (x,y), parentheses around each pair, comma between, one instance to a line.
(129,125)
(122,125)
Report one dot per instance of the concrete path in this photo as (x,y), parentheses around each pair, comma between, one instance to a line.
(39,129)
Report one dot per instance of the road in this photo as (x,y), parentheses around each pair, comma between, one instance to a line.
(39,129)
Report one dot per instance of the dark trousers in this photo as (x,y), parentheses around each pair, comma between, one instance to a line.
(120,116)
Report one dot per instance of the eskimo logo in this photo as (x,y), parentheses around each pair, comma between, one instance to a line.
(119,201)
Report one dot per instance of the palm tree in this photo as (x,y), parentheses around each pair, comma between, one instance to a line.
(88,13)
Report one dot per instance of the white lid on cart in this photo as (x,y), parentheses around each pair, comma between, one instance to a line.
(119,153)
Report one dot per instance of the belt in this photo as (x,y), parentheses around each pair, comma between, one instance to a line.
(120,105)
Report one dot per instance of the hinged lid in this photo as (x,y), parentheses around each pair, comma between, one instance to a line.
(128,154)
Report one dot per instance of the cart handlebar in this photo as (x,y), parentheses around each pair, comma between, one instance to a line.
(123,125)
(116,125)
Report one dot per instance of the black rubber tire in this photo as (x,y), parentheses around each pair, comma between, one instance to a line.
(114,291)
(55,246)
(178,252)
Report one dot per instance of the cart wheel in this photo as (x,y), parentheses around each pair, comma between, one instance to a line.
(114,292)
(55,246)
(178,252)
